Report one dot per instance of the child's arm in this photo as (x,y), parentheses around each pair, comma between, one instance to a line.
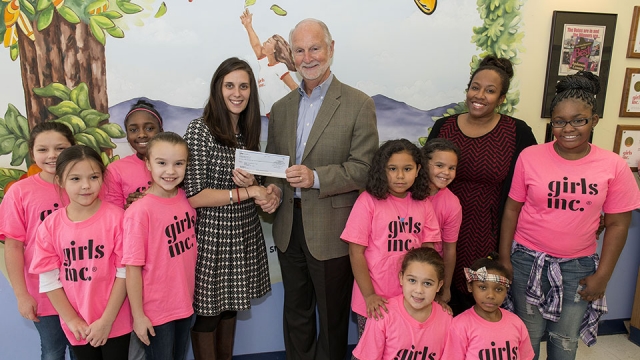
(615,236)
(141,323)
(98,331)
(132,198)
(449,257)
(373,341)
(512,210)
(14,259)
(246,19)
(67,313)
(361,274)
(288,80)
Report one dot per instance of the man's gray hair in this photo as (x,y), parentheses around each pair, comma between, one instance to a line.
(327,35)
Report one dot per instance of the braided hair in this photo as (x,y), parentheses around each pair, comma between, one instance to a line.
(502,66)
(583,85)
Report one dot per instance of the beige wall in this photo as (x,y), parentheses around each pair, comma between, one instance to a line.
(537,16)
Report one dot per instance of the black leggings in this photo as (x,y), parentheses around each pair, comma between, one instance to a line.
(116,348)
(210,323)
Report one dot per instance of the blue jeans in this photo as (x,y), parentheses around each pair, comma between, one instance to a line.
(53,341)
(564,334)
(170,342)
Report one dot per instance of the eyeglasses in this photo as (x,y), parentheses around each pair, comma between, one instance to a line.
(575,123)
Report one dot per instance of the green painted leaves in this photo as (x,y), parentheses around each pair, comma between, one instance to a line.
(14,134)
(278,10)
(75,111)
(127,7)
(161,11)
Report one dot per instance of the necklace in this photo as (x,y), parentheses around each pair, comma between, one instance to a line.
(583,154)
(400,214)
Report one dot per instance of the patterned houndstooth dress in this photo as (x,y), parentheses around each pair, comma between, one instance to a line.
(232,263)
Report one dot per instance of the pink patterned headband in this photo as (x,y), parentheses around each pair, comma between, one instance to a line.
(143,109)
(482,275)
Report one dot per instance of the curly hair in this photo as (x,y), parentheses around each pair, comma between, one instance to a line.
(216,115)
(582,85)
(377,183)
(490,263)
(502,66)
(424,255)
(283,52)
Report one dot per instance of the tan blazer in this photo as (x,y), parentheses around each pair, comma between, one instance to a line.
(341,144)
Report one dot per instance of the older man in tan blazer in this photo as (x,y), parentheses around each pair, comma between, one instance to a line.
(329,131)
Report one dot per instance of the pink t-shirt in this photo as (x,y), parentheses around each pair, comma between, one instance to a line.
(123,177)
(388,228)
(563,199)
(159,235)
(449,214)
(22,210)
(472,337)
(399,336)
(87,254)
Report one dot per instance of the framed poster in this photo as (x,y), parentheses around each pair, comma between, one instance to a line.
(579,42)
(630,103)
(633,49)
(627,144)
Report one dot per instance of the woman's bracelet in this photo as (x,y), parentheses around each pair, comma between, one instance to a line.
(248,196)
(238,193)
(230,197)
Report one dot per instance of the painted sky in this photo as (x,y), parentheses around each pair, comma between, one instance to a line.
(382,47)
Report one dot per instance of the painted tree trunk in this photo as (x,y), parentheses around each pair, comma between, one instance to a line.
(64,53)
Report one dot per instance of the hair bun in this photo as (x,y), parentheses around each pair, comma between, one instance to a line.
(582,80)
(500,63)
(142,102)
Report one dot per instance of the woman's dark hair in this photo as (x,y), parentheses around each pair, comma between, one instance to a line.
(142,105)
(72,155)
(377,184)
(439,144)
(283,52)
(216,114)
(490,263)
(424,255)
(502,66)
(582,85)
(167,137)
(61,128)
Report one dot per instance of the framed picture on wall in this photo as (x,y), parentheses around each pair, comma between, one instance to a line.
(633,49)
(627,144)
(630,103)
(579,42)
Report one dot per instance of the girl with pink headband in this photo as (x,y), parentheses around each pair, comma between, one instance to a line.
(128,178)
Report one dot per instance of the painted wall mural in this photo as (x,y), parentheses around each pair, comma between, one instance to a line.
(84,63)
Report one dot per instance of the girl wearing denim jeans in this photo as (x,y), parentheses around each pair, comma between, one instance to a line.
(548,237)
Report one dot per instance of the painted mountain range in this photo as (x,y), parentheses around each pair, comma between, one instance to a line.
(395,119)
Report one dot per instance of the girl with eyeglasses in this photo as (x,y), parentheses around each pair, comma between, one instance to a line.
(548,230)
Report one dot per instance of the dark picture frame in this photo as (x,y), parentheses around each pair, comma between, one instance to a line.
(577,44)
(633,48)
(629,148)
(630,91)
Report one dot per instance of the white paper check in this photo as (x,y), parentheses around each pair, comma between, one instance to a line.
(259,163)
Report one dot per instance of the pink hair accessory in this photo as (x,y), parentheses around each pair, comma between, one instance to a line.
(482,275)
(143,109)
